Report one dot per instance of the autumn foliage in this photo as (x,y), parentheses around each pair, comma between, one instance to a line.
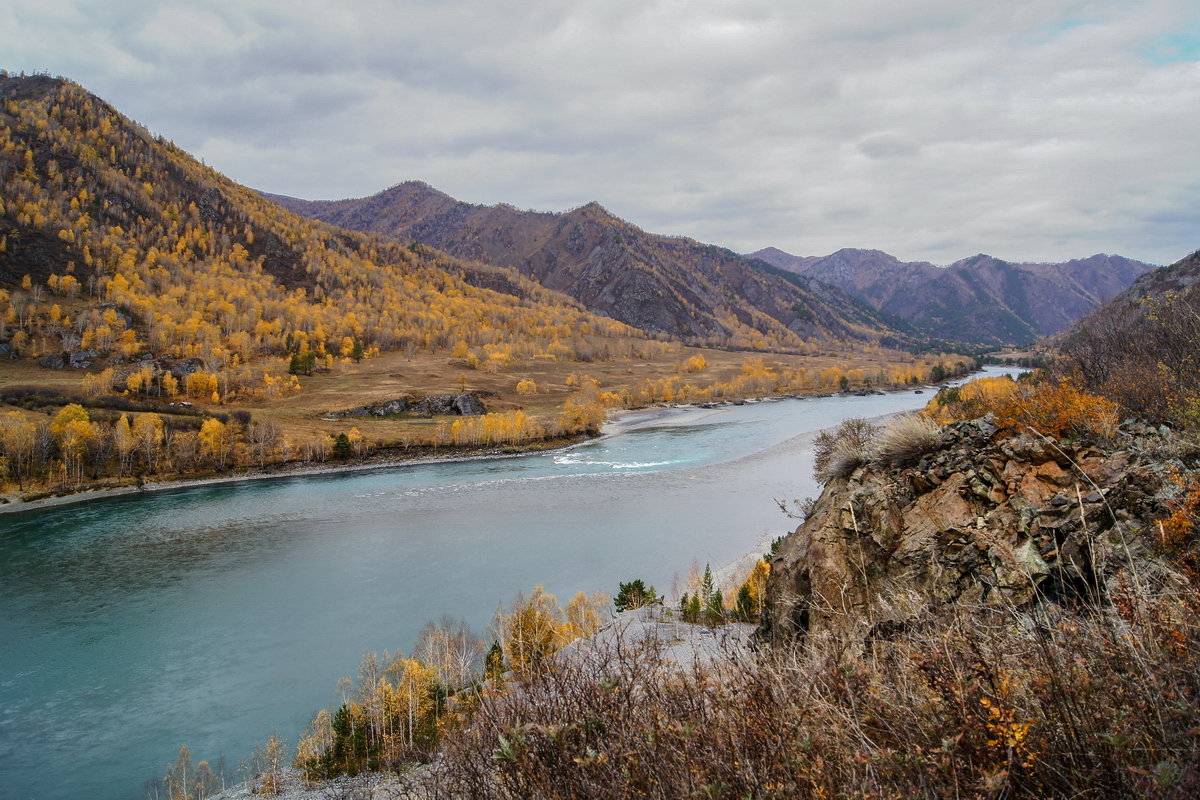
(1059,409)
(1050,407)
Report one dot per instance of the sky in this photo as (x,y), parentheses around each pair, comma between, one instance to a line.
(1032,130)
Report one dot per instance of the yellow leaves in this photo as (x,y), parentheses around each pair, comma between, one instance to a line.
(532,630)
(582,413)
(527,386)
(506,427)
(200,384)
(214,440)
(73,412)
(586,614)
(971,400)
(1006,731)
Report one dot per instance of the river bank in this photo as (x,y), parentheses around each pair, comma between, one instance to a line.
(619,421)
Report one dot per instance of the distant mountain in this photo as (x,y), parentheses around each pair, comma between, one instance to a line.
(662,284)
(980,299)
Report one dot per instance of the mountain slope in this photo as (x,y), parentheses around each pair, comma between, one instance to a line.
(980,299)
(145,250)
(656,283)
(1142,348)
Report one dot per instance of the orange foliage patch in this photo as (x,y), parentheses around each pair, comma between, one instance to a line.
(1059,410)
(1178,531)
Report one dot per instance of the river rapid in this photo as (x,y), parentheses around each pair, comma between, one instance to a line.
(215,615)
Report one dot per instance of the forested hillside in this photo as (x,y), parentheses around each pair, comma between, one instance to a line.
(700,293)
(125,244)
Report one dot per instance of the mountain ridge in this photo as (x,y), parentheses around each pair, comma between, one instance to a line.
(980,298)
(661,284)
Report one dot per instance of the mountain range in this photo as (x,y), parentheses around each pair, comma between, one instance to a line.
(193,259)
(980,299)
(660,284)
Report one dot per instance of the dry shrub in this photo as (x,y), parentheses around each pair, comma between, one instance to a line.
(1059,409)
(979,704)
(1144,353)
(1179,533)
(972,400)
(906,438)
(840,451)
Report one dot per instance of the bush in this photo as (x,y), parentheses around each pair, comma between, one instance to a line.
(838,452)
(905,439)
(968,705)
(1059,409)
(971,400)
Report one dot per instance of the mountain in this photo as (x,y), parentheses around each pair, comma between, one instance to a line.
(1142,348)
(661,284)
(980,299)
(118,243)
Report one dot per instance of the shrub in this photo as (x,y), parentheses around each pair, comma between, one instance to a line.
(966,705)
(907,438)
(838,452)
(971,400)
(1060,409)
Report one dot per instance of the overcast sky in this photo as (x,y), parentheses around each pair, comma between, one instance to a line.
(933,129)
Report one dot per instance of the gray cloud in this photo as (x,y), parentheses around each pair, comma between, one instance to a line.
(1034,129)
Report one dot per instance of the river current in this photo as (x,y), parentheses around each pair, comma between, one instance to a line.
(218,614)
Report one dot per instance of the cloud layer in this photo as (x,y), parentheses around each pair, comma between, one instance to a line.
(933,129)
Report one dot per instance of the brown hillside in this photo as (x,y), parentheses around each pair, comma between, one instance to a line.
(660,284)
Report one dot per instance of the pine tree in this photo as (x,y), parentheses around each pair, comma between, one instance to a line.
(493,663)
(630,595)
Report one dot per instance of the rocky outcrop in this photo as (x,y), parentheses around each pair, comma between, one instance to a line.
(988,519)
(465,405)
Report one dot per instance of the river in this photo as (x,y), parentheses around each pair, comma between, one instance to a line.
(215,615)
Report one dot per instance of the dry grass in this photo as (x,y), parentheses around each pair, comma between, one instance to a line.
(394,374)
(981,703)
(906,438)
(838,452)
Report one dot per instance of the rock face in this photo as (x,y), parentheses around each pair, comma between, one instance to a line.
(467,404)
(987,519)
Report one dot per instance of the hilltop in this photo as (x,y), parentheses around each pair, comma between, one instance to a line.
(981,299)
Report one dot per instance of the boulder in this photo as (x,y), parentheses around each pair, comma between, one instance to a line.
(83,358)
(468,405)
(186,366)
